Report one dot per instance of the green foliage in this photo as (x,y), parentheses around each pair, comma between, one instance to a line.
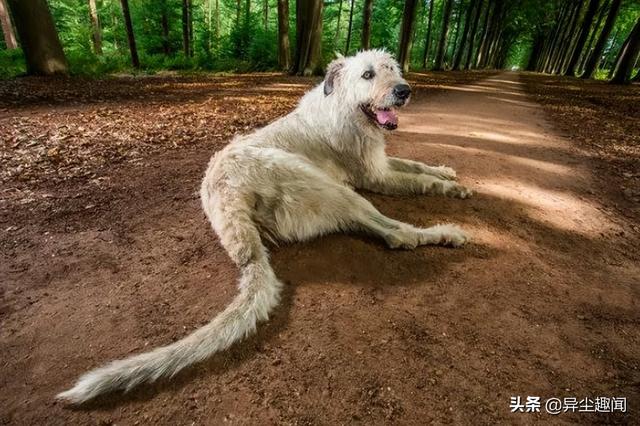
(243,41)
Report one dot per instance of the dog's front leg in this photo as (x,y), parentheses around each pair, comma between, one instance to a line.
(400,183)
(410,166)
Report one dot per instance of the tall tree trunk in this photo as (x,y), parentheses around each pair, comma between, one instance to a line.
(628,57)
(185,28)
(96,33)
(606,62)
(284,56)
(308,37)
(7,29)
(164,23)
(465,35)
(217,26)
(367,10)
(582,37)
(191,43)
(346,49)
(561,49)
(266,15)
(427,41)
(442,43)
(567,45)
(38,37)
(536,50)
(406,32)
(485,32)
(458,24)
(209,26)
(335,38)
(592,37)
(607,57)
(554,38)
(594,58)
(130,36)
(473,33)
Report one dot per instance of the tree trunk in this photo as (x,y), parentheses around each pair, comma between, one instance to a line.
(621,50)
(38,37)
(284,56)
(582,37)
(366,24)
(335,38)
(465,35)
(185,28)
(130,36)
(485,32)
(594,58)
(164,23)
(266,15)
(191,43)
(472,35)
(556,61)
(458,23)
(536,50)
(442,43)
(96,33)
(346,49)
(592,37)
(217,26)
(308,37)
(568,41)
(624,67)
(427,41)
(7,29)
(554,38)
(406,32)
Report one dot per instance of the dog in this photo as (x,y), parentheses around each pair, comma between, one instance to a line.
(294,180)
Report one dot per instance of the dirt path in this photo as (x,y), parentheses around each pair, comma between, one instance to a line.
(544,302)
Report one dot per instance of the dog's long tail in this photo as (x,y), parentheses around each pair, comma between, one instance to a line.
(259,294)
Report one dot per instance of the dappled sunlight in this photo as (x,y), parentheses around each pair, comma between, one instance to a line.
(561,209)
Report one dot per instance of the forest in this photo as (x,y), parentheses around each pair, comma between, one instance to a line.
(586,38)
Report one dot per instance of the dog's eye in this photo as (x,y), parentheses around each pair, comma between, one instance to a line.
(368,75)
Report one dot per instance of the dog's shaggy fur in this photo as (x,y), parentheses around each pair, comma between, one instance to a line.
(291,181)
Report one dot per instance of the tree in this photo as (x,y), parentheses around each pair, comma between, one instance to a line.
(485,32)
(38,37)
(284,56)
(473,5)
(366,24)
(96,32)
(458,25)
(603,11)
(406,32)
(427,41)
(472,34)
(186,38)
(308,37)
(164,24)
(594,58)
(582,37)
(565,42)
(346,49)
(335,38)
(442,43)
(628,57)
(7,28)
(130,36)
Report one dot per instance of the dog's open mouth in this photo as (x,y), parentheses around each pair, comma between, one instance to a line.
(387,118)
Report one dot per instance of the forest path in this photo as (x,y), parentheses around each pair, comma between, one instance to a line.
(542,302)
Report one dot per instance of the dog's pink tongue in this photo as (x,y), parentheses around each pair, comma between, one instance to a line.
(386,117)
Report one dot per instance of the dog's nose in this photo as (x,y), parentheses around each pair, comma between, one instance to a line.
(402,91)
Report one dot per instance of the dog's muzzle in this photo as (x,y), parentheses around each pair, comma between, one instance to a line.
(401,93)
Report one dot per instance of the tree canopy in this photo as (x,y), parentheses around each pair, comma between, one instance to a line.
(556,36)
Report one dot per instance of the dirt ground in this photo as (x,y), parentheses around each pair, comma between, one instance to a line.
(106,253)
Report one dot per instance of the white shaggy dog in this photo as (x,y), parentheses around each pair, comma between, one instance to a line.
(291,181)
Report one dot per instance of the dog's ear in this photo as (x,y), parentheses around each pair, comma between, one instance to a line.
(333,69)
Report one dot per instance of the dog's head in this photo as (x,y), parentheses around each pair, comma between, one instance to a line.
(370,85)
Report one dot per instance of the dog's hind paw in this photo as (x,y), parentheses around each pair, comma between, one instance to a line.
(458,191)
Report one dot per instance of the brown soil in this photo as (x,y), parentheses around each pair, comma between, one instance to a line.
(112,256)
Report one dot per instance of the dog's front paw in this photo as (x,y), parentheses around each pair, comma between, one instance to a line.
(458,191)
(452,235)
(444,172)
